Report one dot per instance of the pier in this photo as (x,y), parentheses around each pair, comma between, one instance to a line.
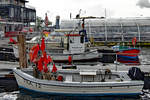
(112,43)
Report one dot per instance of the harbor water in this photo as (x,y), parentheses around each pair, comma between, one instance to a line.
(26,95)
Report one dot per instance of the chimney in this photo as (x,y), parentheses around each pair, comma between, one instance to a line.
(57,22)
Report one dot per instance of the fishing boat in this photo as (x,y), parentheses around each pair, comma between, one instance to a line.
(71,80)
(127,55)
(128,59)
(76,47)
(126,50)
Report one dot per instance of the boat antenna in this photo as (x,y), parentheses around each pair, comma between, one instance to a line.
(70,15)
(105,13)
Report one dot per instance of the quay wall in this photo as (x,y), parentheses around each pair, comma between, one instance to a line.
(127,43)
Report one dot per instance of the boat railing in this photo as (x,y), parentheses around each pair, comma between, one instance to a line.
(93,51)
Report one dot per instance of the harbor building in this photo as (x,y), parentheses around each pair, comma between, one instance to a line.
(113,30)
(14,15)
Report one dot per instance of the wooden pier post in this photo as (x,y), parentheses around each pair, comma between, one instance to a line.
(22,51)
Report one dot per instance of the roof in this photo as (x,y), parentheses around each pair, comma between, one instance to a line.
(108,22)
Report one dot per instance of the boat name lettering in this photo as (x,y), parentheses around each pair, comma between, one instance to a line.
(28,82)
(31,83)
(38,85)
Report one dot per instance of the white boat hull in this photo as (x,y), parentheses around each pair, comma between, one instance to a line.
(60,57)
(80,57)
(28,82)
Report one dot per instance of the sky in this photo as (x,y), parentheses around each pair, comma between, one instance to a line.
(97,8)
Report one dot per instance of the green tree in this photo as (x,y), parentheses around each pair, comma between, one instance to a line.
(39,22)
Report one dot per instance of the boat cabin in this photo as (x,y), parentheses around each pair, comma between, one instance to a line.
(75,43)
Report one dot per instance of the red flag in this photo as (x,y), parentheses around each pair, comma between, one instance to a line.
(34,47)
(40,65)
(45,69)
(35,52)
(45,65)
(44,55)
(43,44)
(46,20)
(54,68)
(11,40)
(45,60)
(49,59)
(31,52)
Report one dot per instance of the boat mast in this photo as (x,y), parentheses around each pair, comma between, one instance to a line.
(105,27)
(122,36)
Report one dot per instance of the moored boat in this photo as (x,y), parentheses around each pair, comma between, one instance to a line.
(76,48)
(83,82)
(127,55)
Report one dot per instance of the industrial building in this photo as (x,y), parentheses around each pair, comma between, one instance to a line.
(14,15)
(113,29)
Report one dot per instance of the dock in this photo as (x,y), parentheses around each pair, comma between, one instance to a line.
(127,43)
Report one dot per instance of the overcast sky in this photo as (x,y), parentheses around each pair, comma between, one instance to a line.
(114,8)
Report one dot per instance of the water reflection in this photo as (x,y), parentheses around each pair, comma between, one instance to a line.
(25,95)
